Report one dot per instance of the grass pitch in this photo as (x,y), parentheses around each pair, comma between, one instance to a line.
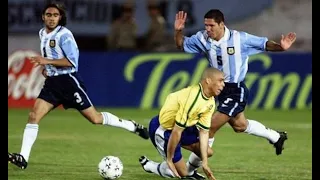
(70,148)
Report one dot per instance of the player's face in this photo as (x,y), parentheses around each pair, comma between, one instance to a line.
(217,84)
(51,18)
(215,31)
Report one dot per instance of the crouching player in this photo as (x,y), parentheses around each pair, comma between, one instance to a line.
(184,121)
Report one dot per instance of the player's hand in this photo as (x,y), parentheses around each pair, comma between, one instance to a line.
(208,172)
(287,40)
(180,20)
(173,168)
(38,60)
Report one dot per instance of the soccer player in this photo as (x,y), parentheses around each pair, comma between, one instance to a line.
(184,121)
(229,51)
(63,85)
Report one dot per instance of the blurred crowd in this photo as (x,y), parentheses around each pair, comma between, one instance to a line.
(123,31)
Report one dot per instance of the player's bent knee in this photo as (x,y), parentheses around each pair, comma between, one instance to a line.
(210,152)
(239,123)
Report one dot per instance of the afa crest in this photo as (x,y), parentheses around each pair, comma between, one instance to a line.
(52,43)
(230,50)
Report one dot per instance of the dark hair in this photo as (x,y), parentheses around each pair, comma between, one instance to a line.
(215,14)
(62,11)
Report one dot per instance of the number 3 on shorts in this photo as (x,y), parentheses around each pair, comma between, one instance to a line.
(78,97)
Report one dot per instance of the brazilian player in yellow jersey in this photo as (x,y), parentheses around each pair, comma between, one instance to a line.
(184,121)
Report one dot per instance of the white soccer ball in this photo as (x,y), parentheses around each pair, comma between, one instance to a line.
(110,167)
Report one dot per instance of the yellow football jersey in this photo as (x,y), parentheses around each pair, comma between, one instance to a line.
(187,107)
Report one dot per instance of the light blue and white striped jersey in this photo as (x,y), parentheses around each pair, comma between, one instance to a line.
(230,54)
(59,44)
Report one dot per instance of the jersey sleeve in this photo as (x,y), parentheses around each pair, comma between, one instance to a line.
(181,116)
(41,33)
(196,43)
(254,44)
(69,48)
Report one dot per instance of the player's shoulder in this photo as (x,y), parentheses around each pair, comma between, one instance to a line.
(64,33)
(202,34)
(41,32)
(181,92)
(64,30)
(236,32)
(192,90)
(242,34)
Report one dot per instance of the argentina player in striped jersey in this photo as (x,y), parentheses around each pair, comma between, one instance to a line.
(229,51)
(63,85)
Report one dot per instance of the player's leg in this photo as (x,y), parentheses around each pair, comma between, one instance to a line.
(239,123)
(43,104)
(193,165)
(162,169)
(159,138)
(109,119)
(190,141)
(79,100)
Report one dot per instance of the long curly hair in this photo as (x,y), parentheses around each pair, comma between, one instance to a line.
(62,11)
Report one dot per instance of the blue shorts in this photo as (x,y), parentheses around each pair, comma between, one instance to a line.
(160,137)
(68,90)
(233,99)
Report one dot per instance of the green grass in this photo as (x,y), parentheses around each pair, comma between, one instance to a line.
(70,148)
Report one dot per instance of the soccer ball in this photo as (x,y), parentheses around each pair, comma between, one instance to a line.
(110,167)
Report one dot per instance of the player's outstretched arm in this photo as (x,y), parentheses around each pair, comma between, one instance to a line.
(178,38)
(38,60)
(174,139)
(178,27)
(285,43)
(204,137)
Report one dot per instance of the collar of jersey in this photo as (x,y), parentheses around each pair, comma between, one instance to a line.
(202,93)
(55,29)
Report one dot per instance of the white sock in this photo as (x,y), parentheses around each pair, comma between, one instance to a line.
(258,129)
(161,169)
(194,161)
(29,137)
(210,143)
(112,120)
